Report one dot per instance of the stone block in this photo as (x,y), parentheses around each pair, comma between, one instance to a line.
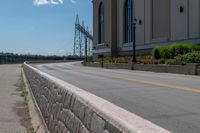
(61,126)
(69,116)
(67,100)
(73,98)
(65,130)
(97,124)
(83,129)
(76,125)
(112,129)
(56,128)
(79,109)
(106,131)
(51,124)
(71,121)
(88,117)
(63,96)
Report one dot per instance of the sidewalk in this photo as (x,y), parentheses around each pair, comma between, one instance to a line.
(13,116)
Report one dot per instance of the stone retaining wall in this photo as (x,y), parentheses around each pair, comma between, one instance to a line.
(198,69)
(109,65)
(189,69)
(68,109)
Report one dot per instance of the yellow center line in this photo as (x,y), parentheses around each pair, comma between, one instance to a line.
(147,82)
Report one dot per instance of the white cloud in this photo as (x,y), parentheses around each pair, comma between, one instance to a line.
(46,2)
(52,2)
(73,1)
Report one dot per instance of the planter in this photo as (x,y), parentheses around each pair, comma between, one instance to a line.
(189,69)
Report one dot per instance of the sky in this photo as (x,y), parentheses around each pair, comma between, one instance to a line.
(41,26)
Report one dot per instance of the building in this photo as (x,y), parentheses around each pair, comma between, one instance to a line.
(159,22)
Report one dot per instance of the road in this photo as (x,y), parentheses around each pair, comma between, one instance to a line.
(171,101)
(13,115)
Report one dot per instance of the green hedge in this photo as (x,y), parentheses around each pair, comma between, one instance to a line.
(125,59)
(148,59)
(173,50)
(193,57)
(171,54)
(145,59)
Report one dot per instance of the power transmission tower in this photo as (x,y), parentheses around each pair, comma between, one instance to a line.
(77,40)
(82,47)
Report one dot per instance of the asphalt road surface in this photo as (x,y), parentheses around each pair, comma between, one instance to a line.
(171,101)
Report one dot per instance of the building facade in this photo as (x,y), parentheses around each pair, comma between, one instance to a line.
(159,22)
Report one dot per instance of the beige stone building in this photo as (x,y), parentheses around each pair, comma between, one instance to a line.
(159,22)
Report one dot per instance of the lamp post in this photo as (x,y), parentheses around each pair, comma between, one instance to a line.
(134,36)
(86,60)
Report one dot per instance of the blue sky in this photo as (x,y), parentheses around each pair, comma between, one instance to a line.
(41,26)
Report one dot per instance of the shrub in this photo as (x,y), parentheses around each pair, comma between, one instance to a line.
(172,62)
(193,57)
(107,59)
(145,59)
(165,52)
(173,50)
(156,53)
(125,59)
(90,59)
(180,49)
(148,59)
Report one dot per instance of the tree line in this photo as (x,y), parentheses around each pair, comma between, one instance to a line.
(9,58)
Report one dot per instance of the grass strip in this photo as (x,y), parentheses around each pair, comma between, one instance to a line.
(24,94)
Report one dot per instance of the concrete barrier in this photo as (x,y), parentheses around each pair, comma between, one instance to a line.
(53,61)
(68,109)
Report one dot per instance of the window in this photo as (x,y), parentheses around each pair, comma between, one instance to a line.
(101,23)
(128,21)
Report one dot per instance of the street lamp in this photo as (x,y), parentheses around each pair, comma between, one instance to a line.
(86,60)
(134,36)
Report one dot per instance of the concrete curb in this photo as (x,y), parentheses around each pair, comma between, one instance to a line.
(37,120)
(122,119)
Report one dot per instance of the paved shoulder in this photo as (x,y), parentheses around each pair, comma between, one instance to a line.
(11,104)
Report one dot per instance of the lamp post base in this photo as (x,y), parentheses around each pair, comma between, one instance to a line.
(132,65)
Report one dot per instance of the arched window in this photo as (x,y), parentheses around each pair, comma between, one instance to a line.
(101,24)
(128,21)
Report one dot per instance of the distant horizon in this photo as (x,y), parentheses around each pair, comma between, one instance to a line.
(2,52)
(40,26)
